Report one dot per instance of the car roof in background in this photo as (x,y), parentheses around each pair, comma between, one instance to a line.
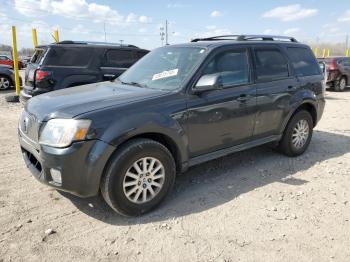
(90,44)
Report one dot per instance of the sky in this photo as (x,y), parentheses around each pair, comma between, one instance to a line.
(138,22)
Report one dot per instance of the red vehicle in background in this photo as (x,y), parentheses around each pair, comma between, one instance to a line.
(338,72)
(5,60)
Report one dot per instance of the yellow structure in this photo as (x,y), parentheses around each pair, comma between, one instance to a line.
(347,52)
(316,51)
(35,38)
(15,59)
(56,36)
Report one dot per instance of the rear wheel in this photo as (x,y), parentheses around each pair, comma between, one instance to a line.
(5,83)
(139,177)
(341,85)
(297,135)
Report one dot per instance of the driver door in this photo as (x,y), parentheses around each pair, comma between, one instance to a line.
(223,118)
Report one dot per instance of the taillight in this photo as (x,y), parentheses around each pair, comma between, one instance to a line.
(40,75)
(332,64)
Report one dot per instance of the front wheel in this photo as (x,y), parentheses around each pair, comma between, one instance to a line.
(5,83)
(139,177)
(297,135)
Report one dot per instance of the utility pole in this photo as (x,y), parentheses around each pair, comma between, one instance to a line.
(346,41)
(166,33)
(162,34)
(121,42)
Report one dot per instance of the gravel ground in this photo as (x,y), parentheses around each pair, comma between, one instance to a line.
(255,205)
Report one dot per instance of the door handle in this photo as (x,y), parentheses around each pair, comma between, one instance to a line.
(292,88)
(243,98)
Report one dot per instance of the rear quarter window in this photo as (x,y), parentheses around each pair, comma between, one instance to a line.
(303,61)
(68,56)
(38,56)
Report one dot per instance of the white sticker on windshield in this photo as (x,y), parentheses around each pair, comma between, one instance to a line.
(165,74)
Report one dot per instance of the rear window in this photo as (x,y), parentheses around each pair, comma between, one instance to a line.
(38,56)
(119,58)
(72,56)
(270,65)
(303,61)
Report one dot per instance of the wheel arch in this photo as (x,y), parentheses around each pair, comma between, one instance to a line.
(308,106)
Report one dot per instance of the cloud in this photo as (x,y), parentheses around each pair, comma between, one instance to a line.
(291,31)
(80,29)
(144,19)
(214,32)
(290,13)
(270,32)
(215,14)
(76,9)
(345,17)
(177,5)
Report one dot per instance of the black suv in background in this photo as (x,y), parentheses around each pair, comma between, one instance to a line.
(69,63)
(179,106)
(338,72)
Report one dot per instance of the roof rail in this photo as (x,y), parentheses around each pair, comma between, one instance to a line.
(214,38)
(247,37)
(94,43)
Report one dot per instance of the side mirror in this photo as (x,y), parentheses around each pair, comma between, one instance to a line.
(208,83)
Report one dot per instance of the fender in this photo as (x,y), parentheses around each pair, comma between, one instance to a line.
(303,97)
(138,124)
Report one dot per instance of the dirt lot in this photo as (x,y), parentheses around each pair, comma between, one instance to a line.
(255,205)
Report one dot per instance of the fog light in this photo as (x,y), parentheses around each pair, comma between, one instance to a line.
(56,175)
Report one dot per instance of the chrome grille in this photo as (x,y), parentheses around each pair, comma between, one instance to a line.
(28,126)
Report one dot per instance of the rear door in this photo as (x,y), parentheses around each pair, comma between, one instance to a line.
(116,61)
(275,85)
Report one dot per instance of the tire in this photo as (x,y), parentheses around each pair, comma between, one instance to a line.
(5,82)
(341,85)
(114,187)
(286,145)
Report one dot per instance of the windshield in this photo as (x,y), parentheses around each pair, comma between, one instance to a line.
(164,68)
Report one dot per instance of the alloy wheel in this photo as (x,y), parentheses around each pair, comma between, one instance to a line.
(300,134)
(4,83)
(143,180)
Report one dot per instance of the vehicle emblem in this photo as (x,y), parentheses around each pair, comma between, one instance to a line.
(25,124)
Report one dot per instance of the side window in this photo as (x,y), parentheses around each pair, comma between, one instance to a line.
(270,64)
(119,58)
(304,62)
(233,66)
(66,56)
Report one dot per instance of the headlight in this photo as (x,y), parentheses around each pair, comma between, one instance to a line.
(62,132)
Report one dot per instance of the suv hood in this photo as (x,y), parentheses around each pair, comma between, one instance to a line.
(73,101)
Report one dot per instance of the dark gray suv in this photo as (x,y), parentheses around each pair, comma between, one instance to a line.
(178,106)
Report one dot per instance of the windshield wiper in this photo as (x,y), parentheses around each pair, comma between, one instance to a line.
(132,84)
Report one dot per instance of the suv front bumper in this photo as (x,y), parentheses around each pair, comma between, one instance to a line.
(81,165)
